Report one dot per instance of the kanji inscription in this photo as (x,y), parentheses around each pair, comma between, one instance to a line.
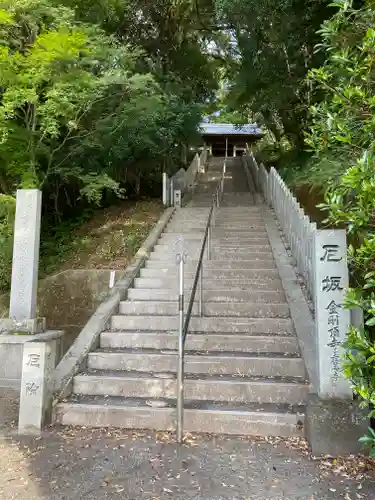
(331,253)
(332,320)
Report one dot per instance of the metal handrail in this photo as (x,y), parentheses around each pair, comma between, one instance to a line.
(184,320)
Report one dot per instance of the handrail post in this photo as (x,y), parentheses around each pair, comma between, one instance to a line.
(183,326)
(209,243)
(201,291)
(180,367)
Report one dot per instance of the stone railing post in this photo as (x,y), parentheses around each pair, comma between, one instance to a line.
(177,198)
(333,421)
(165,189)
(171,191)
(332,321)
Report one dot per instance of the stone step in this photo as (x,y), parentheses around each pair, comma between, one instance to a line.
(224,265)
(187,235)
(217,232)
(241,214)
(176,226)
(277,326)
(167,238)
(171,272)
(255,208)
(200,341)
(209,388)
(191,215)
(243,296)
(244,364)
(234,225)
(217,254)
(264,310)
(270,284)
(215,247)
(205,416)
(241,220)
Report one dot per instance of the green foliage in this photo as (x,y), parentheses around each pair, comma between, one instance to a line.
(71,93)
(99,98)
(7,213)
(341,138)
(342,123)
(50,85)
(275,51)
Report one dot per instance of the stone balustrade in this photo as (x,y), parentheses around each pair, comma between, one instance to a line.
(182,180)
(320,258)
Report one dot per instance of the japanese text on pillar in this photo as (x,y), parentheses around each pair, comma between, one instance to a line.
(331,253)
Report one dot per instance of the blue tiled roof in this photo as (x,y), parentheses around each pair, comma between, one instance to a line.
(229,129)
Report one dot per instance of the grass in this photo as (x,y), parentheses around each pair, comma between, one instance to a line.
(106,240)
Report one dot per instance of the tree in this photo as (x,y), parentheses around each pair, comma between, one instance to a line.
(72,92)
(52,79)
(93,107)
(275,51)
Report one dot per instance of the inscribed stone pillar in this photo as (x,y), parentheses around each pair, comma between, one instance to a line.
(38,364)
(25,255)
(332,321)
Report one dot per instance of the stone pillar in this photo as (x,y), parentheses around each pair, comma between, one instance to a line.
(165,189)
(203,159)
(38,364)
(171,191)
(177,199)
(332,321)
(23,295)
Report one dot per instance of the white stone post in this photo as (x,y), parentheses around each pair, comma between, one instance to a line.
(332,321)
(311,281)
(165,189)
(177,199)
(23,295)
(171,191)
(38,364)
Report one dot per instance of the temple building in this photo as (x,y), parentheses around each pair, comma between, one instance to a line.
(225,139)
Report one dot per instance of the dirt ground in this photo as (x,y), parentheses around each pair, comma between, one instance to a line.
(90,464)
(108,240)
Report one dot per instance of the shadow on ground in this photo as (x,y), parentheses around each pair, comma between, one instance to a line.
(82,464)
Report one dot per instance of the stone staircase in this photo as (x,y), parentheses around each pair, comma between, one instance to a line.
(243,369)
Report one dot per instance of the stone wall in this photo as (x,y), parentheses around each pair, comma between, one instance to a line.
(68,299)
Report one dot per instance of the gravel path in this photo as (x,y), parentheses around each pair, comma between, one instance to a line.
(9,401)
(84,464)
(77,464)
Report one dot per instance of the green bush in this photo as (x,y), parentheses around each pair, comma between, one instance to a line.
(342,140)
(7,213)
